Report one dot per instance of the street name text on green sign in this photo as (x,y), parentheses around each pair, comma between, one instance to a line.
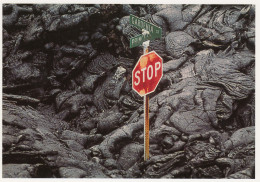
(138,40)
(154,30)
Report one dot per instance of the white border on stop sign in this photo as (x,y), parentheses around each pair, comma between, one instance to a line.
(135,67)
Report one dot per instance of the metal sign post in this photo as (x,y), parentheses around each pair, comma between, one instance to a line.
(146,111)
(146,127)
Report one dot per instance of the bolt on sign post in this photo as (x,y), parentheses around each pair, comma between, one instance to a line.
(148,71)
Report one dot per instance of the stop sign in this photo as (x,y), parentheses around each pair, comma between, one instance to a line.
(147,73)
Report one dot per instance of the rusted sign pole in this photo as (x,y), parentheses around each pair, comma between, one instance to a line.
(146,127)
(146,114)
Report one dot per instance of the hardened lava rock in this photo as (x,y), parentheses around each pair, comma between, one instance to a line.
(69,110)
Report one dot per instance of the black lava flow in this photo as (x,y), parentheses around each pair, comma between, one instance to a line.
(69,110)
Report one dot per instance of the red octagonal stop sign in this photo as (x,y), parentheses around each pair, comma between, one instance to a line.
(147,73)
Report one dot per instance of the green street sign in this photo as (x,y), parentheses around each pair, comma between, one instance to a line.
(155,31)
(138,40)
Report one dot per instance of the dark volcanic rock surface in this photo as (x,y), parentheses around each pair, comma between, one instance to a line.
(69,110)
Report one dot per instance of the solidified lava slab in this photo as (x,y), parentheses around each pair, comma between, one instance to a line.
(69,110)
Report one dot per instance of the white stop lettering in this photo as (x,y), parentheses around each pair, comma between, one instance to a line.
(150,72)
(147,72)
